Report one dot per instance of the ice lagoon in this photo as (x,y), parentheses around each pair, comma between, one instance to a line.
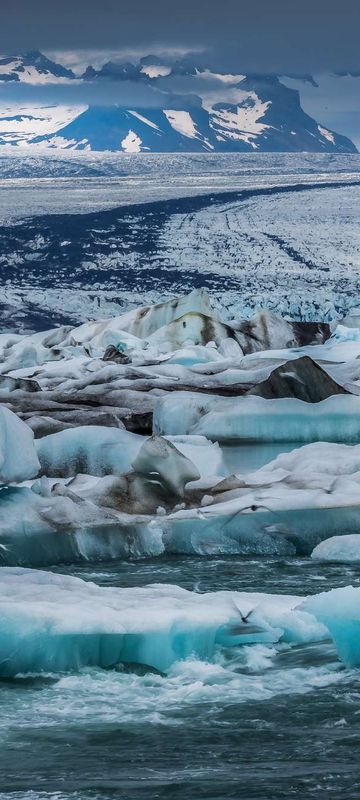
(179,537)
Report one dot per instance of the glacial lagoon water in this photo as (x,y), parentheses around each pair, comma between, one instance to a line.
(258,722)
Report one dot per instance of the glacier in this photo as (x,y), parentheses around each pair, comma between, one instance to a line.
(217,199)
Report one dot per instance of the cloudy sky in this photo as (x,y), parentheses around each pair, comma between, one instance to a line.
(285,37)
(264,35)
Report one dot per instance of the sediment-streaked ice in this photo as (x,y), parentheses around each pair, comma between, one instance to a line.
(151,478)
(90,449)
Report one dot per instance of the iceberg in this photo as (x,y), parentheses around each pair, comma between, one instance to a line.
(18,459)
(162,505)
(56,623)
(52,524)
(144,321)
(339,611)
(344,549)
(99,450)
(192,329)
(254,419)
(267,331)
(159,457)
(89,449)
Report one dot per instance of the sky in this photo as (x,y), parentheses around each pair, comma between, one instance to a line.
(292,36)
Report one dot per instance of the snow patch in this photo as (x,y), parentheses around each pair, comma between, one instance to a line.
(326,134)
(155,70)
(131,143)
(228,79)
(144,119)
(182,122)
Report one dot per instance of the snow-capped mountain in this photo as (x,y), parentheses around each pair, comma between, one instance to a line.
(33,67)
(217,112)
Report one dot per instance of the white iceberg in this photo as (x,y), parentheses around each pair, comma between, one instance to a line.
(18,459)
(344,549)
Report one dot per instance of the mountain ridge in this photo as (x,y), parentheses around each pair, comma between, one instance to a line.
(220,112)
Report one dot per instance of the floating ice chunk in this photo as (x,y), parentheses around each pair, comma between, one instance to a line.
(349,330)
(192,328)
(144,321)
(159,456)
(260,523)
(28,351)
(267,331)
(345,549)
(58,623)
(90,449)
(196,354)
(56,524)
(253,419)
(206,455)
(18,459)
(314,460)
(339,611)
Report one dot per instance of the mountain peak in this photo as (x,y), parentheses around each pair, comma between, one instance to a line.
(33,67)
(216,111)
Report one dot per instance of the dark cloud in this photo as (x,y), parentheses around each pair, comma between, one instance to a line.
(255,35)
(74,93)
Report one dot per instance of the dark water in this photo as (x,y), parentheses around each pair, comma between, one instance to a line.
(260,722)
